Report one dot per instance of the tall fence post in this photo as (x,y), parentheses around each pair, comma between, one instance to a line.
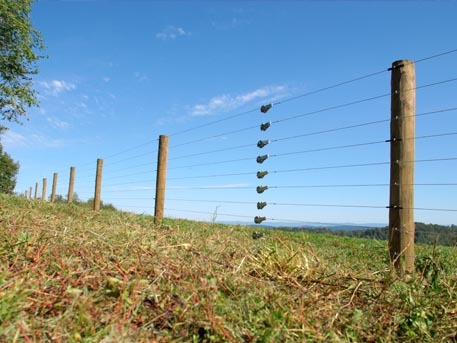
(54,187)
(98,184)
(36,190)
(402,132)
(30,193)
(43,193)
(71,184)
(161,178)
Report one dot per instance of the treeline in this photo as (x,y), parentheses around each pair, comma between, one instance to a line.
(88,203)
(425,233)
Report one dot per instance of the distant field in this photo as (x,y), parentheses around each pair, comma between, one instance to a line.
(68,274)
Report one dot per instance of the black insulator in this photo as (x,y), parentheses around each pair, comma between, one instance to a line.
(265,126)
(265,108)
(261,189)
(261,174)
(261,159)
(261,205)
(257,235)
(261,144)
(258,219)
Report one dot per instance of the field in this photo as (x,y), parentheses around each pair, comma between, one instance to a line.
(68,274)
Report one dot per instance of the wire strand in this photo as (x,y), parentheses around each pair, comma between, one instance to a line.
(329,148)
(215,136)
(276,204)
(435,56)
(211,152)
(211,163)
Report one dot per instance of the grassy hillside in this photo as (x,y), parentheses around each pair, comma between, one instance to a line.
(424,234)
(68,274)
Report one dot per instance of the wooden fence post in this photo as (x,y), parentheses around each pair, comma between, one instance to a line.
(43,193)
(71,184)
(402,132)
(54,187)
(161,178)
(36,190)
(98,184)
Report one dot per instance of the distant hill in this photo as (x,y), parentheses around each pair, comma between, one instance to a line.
(425,233)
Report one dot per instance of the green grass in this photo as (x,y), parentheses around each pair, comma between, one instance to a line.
(68,274)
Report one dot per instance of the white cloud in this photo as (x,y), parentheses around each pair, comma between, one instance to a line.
(225,103)
(172,32)
(13,139)
(140,76)
(57,123)
(56,87)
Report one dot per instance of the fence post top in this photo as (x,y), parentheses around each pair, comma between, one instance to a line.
(401,62)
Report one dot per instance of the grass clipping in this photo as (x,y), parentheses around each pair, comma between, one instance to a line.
(68,274)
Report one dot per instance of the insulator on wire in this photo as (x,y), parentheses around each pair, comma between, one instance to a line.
(259,220)
(261,144)
(265,108)
(265,126)
(261,159)
(261,174)
(261,205)
(261,189)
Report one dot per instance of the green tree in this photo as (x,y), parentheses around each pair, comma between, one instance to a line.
(8,171)
(19,44)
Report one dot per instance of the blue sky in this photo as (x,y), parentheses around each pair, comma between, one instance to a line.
(120,73)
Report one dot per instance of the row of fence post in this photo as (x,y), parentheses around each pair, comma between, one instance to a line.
(401,205)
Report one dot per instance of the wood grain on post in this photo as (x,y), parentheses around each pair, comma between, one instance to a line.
(161,178)
(36,190)
(54,187)
(402,132)
(43,193)
(98,184)
(71,184)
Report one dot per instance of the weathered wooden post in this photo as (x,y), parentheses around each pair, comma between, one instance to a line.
(36,190)
(54,187)
(161,178)
(71,184)
(98,184)
(402,132)
(43,193)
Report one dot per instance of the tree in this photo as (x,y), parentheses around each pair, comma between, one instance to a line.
(8,171)
(19,43)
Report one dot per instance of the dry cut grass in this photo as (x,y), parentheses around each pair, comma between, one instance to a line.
(68,274)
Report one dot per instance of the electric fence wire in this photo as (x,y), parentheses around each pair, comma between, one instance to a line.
(311,133)
(312,168)
(307,205)
(253,110)
(267,219)
(348,104)
(309,93)
(313,150)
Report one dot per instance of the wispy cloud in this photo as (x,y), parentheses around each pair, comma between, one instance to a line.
(16,140)
(172,32)
(56,87)
(140,76)
(57,123)
(227,102)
